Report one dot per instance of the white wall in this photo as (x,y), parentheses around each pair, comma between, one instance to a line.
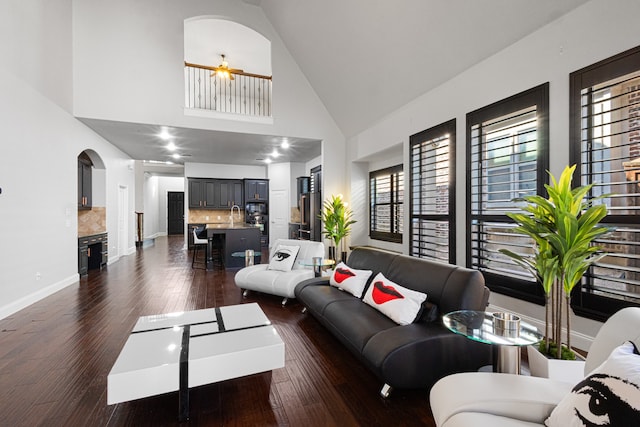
(216,170)
(36,46)
(151,207)
(145,53)
(166,184)
(38,164)
(156,189)
(586,35)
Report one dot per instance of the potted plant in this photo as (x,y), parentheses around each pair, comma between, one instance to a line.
(563,227)
(337,220)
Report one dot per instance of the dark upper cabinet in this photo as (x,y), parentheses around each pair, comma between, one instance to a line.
(84,183)
(256,190)
(231,193)
(196,193)
(211,191)
(215,193)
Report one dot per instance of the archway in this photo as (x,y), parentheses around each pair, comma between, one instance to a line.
(92,212)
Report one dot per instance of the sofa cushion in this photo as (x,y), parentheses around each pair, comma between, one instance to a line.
(318,295)
(354,322)
(610,395)
(282,283)
(400,304)
(349,279)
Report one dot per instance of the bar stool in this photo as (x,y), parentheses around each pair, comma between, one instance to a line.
(198,243)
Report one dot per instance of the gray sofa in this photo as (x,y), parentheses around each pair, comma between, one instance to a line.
(409,356)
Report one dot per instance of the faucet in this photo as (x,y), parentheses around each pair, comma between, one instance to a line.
(231,216)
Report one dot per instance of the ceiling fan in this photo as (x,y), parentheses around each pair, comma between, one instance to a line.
(223,70)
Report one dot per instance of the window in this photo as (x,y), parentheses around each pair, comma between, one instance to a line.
(386,188)
(605,144)
(507,158)
(433,193)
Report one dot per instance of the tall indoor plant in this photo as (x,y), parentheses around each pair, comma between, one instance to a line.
(337,220)
(563,227)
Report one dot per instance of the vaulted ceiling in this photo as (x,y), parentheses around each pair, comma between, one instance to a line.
(367,58)
(364,59)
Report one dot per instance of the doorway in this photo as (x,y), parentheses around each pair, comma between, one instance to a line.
(175,208)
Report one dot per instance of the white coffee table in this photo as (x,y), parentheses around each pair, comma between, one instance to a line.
(178,351)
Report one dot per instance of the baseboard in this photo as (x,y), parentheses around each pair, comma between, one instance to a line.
(27,300)
(578,340)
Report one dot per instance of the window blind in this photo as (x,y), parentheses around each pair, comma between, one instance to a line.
(507,159)
(386,204)
(433,193)
(606,142)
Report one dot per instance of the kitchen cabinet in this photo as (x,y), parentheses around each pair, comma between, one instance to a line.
(237,239)
(215,193)
(256,190)
(202,194)
(93,252)
(84,184)
(231,193)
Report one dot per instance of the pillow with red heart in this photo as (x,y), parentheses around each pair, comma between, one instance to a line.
(349,279)
(400,304)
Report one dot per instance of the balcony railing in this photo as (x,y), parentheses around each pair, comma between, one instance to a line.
(247,94)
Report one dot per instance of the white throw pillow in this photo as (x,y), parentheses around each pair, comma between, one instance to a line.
(400,304)
(349,279)
(283,258)
(609,396)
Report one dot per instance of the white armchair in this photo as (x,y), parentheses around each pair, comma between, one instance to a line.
(282,283)
(497,400)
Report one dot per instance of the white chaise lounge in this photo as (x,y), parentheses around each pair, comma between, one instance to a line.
(505,400)
(282,283)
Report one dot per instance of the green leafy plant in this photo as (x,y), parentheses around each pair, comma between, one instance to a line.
(563,227)
(337,219)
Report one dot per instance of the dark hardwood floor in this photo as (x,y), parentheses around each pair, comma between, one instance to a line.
(55,356)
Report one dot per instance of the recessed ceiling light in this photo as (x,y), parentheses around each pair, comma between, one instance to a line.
(267,160)
(285,144)
(275,153)
(164,134)
(175,155)
(171,146)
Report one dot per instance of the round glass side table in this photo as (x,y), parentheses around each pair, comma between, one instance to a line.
(318,264)
(502,329)
(249,256)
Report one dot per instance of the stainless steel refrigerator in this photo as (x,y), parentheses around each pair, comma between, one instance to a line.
(310,223)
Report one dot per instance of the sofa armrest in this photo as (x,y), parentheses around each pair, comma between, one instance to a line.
(519,397)
(419,354)
(315,281)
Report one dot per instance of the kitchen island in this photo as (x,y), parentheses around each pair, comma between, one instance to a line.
(231,238)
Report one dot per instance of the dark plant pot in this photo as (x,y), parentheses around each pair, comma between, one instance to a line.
(332,253)
(344,257)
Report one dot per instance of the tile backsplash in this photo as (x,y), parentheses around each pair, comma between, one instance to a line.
(93,221)
(212,216)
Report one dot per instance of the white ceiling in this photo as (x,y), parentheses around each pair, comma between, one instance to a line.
(367,58)
(142,142)
(364,58)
